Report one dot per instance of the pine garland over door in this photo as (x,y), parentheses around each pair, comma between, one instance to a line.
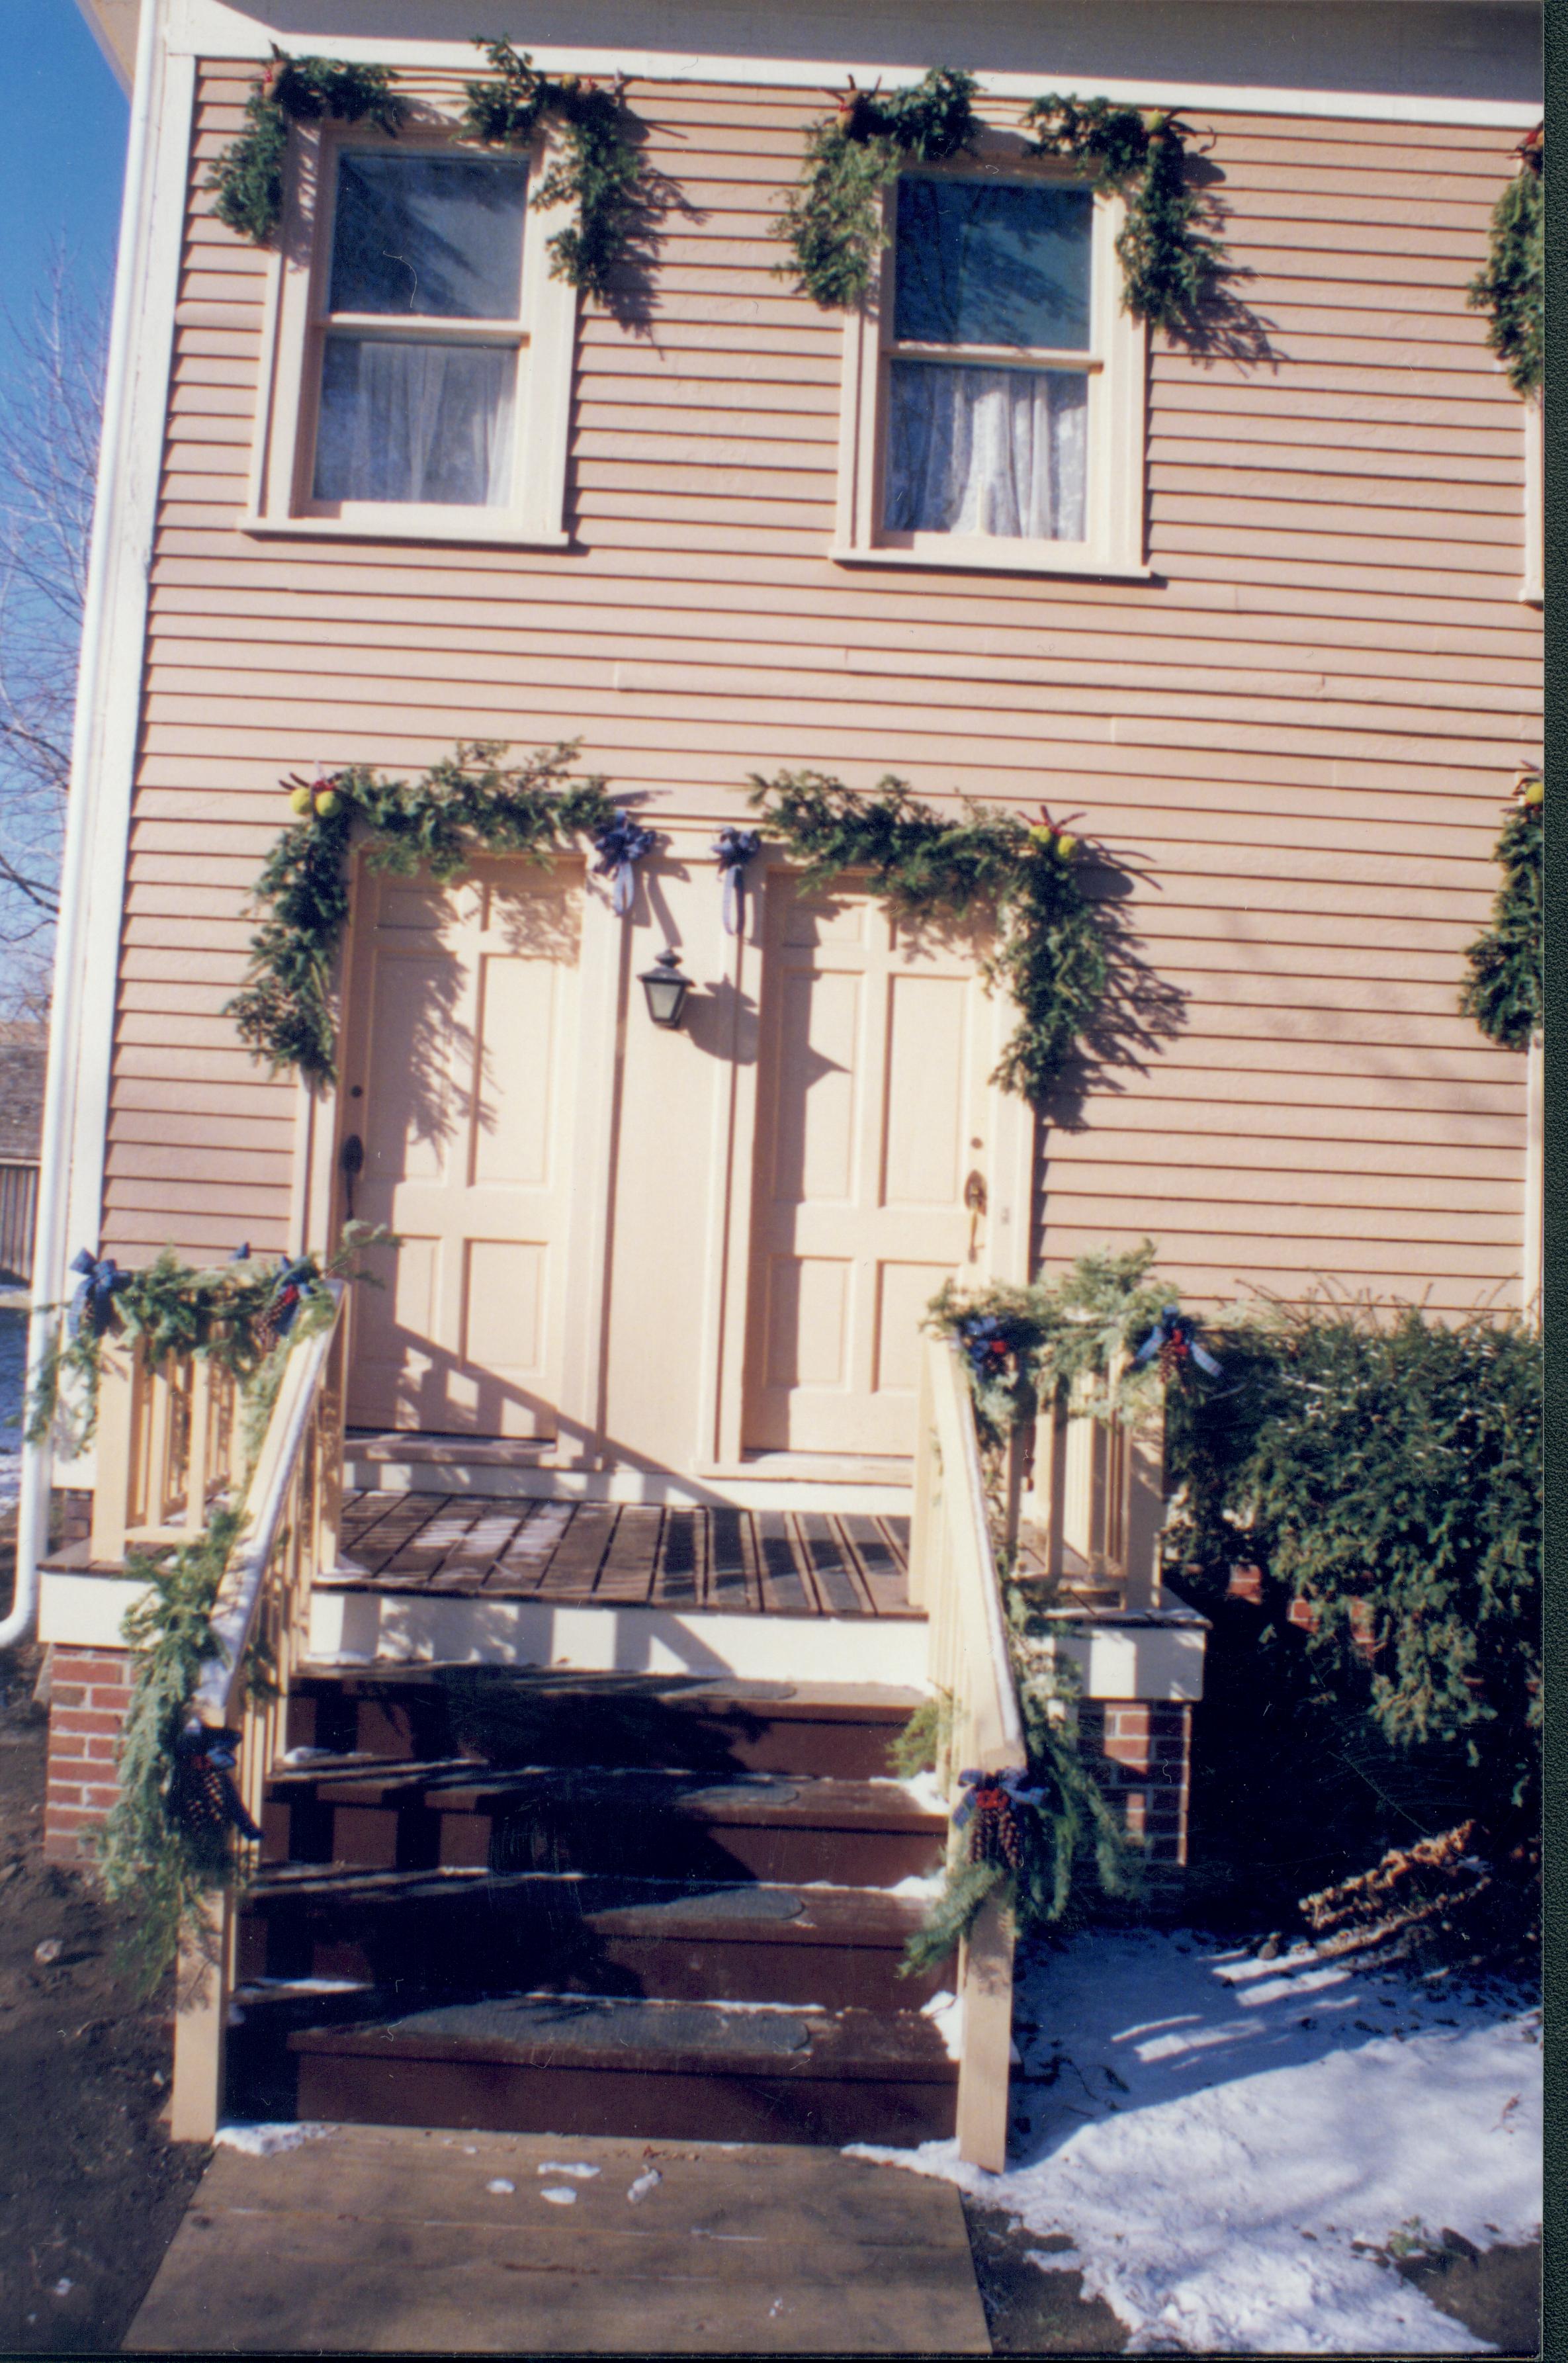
(1511,285)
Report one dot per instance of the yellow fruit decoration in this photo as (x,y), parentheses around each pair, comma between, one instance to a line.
(1535,791)
(326,802)
(1066,845)
(301,801)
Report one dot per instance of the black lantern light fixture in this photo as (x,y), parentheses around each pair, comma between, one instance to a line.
(666,988)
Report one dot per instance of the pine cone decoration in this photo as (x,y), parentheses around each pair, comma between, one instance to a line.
(201,1795)
(993,1829)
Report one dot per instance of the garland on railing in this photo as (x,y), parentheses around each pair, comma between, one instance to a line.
(1512,283)
(1504,991)
(1020,1344)
(922,862)
(248,178)
(1034,1838)
(600,173)
(833,220)
(164,1843)
(233,1315)
(466,802)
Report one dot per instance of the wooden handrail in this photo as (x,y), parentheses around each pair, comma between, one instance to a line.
(288,1531)
(239,1602)
(952,1575)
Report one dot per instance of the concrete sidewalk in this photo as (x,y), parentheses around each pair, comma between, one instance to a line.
(397,2239)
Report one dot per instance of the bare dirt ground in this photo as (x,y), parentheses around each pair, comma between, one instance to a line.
(91,2189)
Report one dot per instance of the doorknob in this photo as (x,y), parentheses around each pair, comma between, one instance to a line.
(351,1159)
(974,1201)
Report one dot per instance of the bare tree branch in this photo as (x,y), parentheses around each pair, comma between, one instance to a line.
(53,365)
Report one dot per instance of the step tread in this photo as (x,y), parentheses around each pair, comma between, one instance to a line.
(889,1702)
(796,1800)
(615,2034)
(754,1911)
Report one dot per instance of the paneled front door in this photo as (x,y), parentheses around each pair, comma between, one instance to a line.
(458,1077)
(870,1171)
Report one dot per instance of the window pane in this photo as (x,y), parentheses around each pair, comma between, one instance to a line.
(987,263)
(437,235)
(402,421)
(987,451)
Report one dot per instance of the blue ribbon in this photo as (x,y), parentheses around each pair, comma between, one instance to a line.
(94,1300)
(1176,1328)
(986,1343)
(621,843)
(734,848)
(1011,1781)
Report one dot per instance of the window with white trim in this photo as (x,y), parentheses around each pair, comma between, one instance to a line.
(994,394)
(424,354)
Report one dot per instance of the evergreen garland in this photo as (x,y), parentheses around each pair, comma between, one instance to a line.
(1021,1345)
(1050,955)
(1512,283)
(1170,268)
(248,178)
(1504,991)
(599,173)
(831,220)
(467,801)
(160,1863)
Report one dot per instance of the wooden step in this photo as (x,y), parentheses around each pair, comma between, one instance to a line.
(843,1729)
(589,2064)
(748,1941)
(640,1822)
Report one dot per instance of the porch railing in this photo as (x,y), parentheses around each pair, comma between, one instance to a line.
(953,1577)
(1099,1485)
(170,1446)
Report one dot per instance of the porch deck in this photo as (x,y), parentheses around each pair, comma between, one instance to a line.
(595,1554)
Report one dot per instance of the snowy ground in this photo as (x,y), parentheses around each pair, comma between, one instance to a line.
(1228,2141)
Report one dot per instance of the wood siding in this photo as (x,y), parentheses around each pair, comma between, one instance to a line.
(1299,734)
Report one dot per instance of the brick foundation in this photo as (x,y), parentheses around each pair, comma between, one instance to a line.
(89,1693)
(1142,1752)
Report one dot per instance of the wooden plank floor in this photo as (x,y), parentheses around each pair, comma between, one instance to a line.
(381,2239)
(803,1563)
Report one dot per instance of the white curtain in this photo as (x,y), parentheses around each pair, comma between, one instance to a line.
(406,421)
(987,451)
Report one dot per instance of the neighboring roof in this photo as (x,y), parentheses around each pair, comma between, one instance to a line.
(23,1044)
(113,25)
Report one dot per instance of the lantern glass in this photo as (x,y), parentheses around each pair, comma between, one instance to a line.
(666,988)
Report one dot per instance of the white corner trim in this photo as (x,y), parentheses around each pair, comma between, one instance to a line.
(104,773)
(213,29)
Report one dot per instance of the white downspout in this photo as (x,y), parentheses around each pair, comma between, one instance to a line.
(50,1246)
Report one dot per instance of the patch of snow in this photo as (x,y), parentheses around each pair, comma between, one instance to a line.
(561,2195)
(579,2172)
(305,1985)
(502,2188)
(1215,2133)
(267,2141)
(918,1882)
(647,2181)
(947,2014)
(63,2286)
(921,1787)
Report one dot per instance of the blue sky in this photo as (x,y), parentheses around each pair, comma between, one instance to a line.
(62,147)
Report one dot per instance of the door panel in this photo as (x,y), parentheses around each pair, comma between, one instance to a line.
(871,1112)
(465,1070)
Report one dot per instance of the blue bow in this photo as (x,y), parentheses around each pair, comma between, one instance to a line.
(986,1343)
(1179,1331)
(734,848)
(290,1282)
(94,1300)
(622,842)
(1011,1781)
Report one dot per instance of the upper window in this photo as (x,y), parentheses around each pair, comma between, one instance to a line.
(424,355)
(995,407)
